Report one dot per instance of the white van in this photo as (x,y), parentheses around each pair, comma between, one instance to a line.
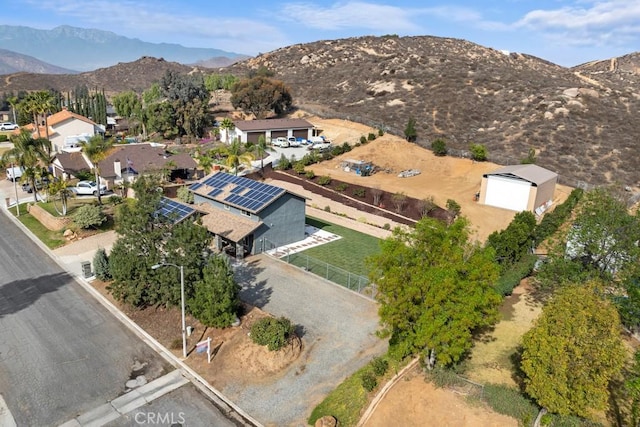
(14,173)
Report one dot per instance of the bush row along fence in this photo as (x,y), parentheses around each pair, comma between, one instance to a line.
(337,275)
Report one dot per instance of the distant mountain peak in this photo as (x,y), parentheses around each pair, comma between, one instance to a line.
(86,49)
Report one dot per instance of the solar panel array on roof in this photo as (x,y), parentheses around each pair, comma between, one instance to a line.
(195,186)
(173,210)
(246,193)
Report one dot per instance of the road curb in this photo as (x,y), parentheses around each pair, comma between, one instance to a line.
(227,407)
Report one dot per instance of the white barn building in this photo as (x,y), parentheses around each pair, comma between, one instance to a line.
(519,188)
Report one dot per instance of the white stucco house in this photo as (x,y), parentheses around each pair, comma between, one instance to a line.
(67,130)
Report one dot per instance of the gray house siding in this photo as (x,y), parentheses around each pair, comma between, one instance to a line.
(284,223)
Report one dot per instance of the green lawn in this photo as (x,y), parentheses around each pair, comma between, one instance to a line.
(346,256)
(348,253)
(53,239)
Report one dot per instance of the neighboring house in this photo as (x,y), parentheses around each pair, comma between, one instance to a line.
(67,165)
(519,188)
(248,216)
(251,130)
(126,162)
(67,130)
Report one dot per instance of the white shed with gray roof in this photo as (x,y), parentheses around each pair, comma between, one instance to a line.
(519,188)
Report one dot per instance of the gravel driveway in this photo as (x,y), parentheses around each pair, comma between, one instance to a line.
(338,332)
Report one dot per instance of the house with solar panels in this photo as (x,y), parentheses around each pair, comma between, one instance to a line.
(247,216)
(251,130)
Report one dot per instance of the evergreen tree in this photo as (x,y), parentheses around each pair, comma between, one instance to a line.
(216,298)
(101,265)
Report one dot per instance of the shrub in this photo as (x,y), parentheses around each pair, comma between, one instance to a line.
(115,200)
(410,133)
(184,195)
(4,138)
(283,163)
(478,152)
(363,140)
(324,180)
(379,365)
(346,147)
(554,219)
(510,402)
(359,192)
(341,187)
(87,216)
(369,380)
(453,206)
(101,265)
(386,226)
(426,205)
(439,147)
(399,201)
(274,333)
(298,167)
(310,174)
(380,132)
(371,136)
(337,150)
(511,277)
(531,157)
(327,208)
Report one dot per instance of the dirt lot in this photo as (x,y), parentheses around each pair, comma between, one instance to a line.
(441,177)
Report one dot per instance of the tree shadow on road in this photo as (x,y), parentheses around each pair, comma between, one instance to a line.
(20,294)
(252,291)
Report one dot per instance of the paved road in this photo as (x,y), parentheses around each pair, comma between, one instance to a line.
(338,333)
(62,354)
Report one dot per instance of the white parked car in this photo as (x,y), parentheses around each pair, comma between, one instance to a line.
(88,188)
(8,126)
(280,142)
(294,142)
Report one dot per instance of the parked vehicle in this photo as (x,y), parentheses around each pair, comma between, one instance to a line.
(293,142)
(320,146)
(88,188)
(317,139)
(14,173)
(40,184)
(8,126)
(280,142)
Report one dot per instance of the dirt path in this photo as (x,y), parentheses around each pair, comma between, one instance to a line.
(415,402)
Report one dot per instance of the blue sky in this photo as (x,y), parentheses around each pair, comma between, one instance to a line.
(566,32)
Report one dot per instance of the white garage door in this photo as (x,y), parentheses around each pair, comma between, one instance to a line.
(507,193)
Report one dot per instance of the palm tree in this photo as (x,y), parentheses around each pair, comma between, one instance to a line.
(226,125)
(58,190)
(236,155)
(29,154)
(96,149)
(44,103)
(260,149)
(13,101)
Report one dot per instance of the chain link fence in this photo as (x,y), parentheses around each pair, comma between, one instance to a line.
(337,275)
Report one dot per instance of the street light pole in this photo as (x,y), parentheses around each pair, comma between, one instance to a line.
(184,327)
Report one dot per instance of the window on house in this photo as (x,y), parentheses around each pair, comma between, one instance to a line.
(245,213)
(227,207)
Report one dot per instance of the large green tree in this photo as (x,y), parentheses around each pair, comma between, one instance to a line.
(216,299)
(574,350)
(189,99)
(129,104)
(261,95)
(146,238)
(600,242)
(435,289)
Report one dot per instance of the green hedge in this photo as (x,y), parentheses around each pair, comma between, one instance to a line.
(554,219)
(508,401)
(512,277)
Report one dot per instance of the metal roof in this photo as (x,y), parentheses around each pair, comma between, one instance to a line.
(532,173)
(272,124)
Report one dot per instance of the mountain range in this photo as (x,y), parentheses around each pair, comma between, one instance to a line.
(581,122)
(82,49)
